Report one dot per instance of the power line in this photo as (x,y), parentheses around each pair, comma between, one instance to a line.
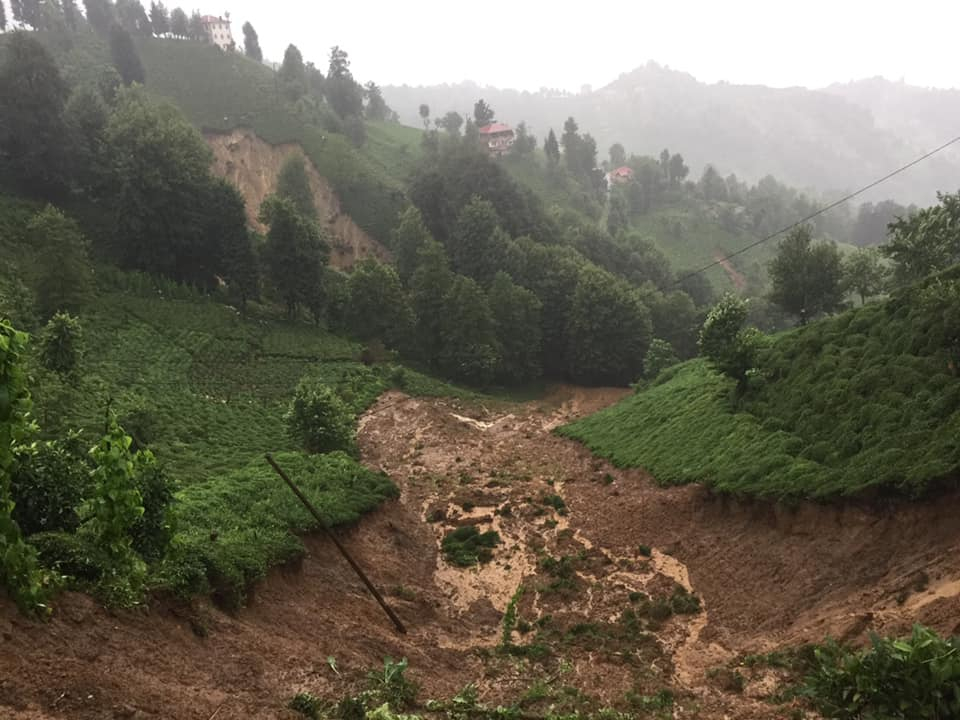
(821,211)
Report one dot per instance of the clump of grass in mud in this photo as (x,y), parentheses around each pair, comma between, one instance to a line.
(466,546)
(306,704)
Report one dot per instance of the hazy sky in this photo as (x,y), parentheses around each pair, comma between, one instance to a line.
(530,44)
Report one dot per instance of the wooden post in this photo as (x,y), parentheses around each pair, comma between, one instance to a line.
(343,551)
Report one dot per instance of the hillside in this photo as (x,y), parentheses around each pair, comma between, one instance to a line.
(829,140)
(866,403)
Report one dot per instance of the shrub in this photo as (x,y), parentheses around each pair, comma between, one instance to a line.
(916,677)
(389,684)
(467,546)
(73,555)
(731,349)
(61,344)
(660,355)
(305,704)
(49,483)
(154,530)
(319,419)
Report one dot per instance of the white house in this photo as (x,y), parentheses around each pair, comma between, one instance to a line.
(218,31)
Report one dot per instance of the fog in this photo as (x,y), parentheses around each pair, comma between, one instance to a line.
(557,45)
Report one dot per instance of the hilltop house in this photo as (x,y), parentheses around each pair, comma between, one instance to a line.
(218,31)
(619,176)
(497,138)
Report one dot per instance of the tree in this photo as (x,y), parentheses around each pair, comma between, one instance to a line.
(295,252)
(425,115)
(618,156)
(159,19)
(523,142)
(478,244)
(551,148)
(678,171)
(712,186)
(62,274)
(32,96)
(318,419)
(660,355)
(516,324)
(132,17)
(179,25)
(608,330)
(864,273)
(378,307)
(225,248)
(195,29)
(410,237)
(339,66)
(376,106)
(3,17)
(469,351)
(292,72)
(251,43)
(665,163)
(731,349)
(806,277)
(482,113)
(925,241)
(61,344)
(451,122)
(125,57)
(429,285)
(85,117)
(294,185)
(343,93)
(570,140)
(71,15)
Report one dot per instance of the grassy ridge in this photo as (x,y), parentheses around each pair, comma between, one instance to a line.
(864,403)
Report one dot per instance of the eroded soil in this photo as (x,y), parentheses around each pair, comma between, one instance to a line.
(588,624)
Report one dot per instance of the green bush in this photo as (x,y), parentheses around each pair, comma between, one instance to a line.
(660,355)
(916,677)
(390,684)
(306,704)
(61,344)
(319,420)
(467,546)
(49,483)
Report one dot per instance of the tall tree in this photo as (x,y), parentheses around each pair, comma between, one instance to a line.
(295,252)
(294,185)
(429,285)
(478,245)
(864,273)
(293,73)
(376,106)
(343,93)
(125,56)
(618,156)
(806,276)
(570,140)
(251,43)
(516,322)
(925,241)
(179,25)
(551,148)
(99,14)
(378,307)
(133,18)
(339,66)
(425,115)
(482,113)
(451,122)
(71,15)
(195,29)
(678,171)
(159,19)
(469,351)
(85,117)
(32,96)
(712,186)
(523,143)
(410,237)
(62,276)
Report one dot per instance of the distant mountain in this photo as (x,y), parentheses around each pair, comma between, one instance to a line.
(832,140)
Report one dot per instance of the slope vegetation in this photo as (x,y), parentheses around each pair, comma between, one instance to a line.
(867,402)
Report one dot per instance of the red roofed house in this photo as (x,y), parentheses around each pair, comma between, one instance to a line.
(496,137)
(218,31)
(620,175)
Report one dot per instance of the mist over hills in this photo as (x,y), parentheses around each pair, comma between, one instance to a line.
(832,140)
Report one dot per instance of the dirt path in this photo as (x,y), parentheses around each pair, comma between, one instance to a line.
(599,553)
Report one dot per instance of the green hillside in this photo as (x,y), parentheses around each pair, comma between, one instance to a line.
(867,402)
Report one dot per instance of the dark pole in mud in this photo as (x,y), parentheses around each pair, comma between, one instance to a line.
(343,551)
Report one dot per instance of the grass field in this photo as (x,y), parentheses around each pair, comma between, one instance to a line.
(865,403)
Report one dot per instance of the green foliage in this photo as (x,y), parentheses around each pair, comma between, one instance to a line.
(306,704)
(468,349)
(864,273)
(390,684)
(925,241)
(60,272)
(806,277)
(50,481)
(125,56)
(319,420)
(516,315)
(466,546)
(153,532)
(477,245)
(112,511)
(61,344)
(378,308)
(294,185)
(509,622)
(659,357)
(731,349)
(916,677)
(28,585)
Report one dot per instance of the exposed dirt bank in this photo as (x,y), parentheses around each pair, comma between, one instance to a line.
(253,165)
(765,577)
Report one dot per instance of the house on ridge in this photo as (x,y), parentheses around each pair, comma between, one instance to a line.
(218,31)
(619,176)
(497,138)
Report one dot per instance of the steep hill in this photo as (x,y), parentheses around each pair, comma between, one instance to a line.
(867,403)
(829,140)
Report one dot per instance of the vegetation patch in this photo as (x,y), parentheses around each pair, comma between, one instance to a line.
(466,546)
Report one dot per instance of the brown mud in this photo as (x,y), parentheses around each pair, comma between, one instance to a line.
(571,530)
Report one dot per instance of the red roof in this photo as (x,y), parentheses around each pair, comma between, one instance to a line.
(211,19)
(623,171)
(495,128)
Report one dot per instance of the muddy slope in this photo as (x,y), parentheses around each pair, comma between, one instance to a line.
(764,578)
(253,165)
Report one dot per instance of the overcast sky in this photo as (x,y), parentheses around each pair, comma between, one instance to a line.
(532,44)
